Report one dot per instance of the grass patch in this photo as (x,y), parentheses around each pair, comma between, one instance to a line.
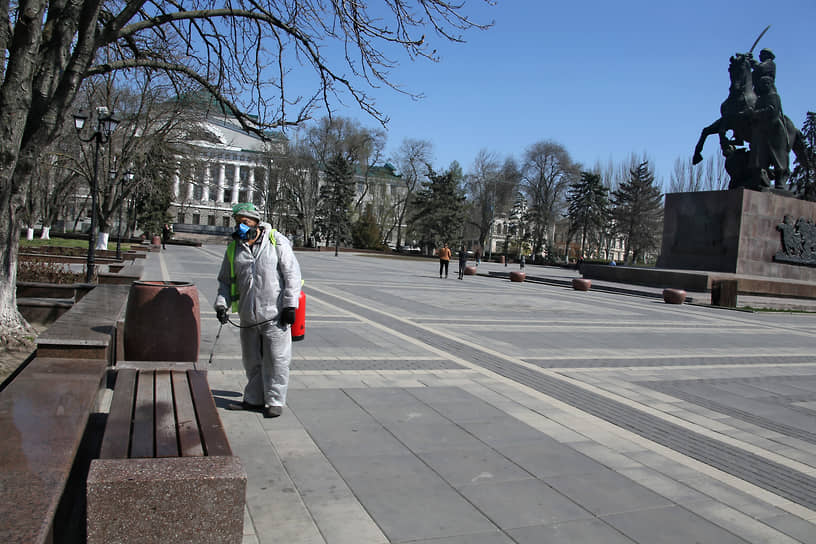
(776,310)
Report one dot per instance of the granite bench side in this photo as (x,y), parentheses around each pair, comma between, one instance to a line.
(166,472)
(44,412)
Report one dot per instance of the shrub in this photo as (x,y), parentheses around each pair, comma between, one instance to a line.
(47,272)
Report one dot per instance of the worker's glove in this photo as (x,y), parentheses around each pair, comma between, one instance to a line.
(288,316)
(222,315)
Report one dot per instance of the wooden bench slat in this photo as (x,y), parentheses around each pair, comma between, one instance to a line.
(116,439)
(188,433)
(166,442)
(212,430)
(142,442)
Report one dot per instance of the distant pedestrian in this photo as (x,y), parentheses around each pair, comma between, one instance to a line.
(521,261)
(462,261)
(478,256)
(167,231)
(444,259)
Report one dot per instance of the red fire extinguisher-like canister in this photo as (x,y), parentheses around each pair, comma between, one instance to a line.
(299,326)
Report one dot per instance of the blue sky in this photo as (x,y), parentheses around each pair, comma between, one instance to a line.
(605,79)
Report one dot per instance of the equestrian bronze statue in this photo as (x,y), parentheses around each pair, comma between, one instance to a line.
(752,114)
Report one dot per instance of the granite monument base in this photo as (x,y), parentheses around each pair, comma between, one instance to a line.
(740,231)
(167,500)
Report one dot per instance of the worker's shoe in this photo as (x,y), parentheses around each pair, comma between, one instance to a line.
(272,411)
(246,406)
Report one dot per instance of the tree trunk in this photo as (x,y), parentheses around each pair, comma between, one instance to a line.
(102,240)
(45,235)
(12,324)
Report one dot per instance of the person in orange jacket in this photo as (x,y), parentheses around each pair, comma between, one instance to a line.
(444,259)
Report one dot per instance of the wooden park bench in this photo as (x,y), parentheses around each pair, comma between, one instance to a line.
(166,472)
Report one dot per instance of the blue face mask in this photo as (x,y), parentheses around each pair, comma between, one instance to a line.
(243,231)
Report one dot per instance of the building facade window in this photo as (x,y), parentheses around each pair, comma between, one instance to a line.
(211,220)
(225,221)
(180,218)
(196,219)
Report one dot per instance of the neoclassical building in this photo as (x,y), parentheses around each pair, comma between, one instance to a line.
(227,165)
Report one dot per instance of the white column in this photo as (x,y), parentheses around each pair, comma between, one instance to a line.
(264,183)
(236,184)
(205,192)
(251,184)
(221,168)
(176,185)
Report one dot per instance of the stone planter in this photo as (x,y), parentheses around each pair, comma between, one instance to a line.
(581,284)
(162,321)
(470,271)
(674,296)
(517,276)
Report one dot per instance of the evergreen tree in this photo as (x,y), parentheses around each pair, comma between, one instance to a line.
(803,178)
(638,212)
(588,208)
(516,236)
(336,197)
(439,209)
(366,233)
(152,202)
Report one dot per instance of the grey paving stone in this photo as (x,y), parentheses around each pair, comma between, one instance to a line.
(592,531)
(606,492)
(415,513)
(546,457)
(473,466)
(353,439)
(798,528)
(670,525)
(482,538)
(503,431)
(387,472)
(523,503)
(426,437)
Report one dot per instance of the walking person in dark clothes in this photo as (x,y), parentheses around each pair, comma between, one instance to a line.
(462,261)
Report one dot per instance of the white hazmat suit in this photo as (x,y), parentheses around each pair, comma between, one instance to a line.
(268,278)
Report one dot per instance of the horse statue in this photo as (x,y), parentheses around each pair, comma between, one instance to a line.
(738,116)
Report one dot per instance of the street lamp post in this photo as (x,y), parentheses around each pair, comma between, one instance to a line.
(105,125)
(129,177)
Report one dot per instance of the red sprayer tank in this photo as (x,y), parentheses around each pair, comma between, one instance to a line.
(299,326)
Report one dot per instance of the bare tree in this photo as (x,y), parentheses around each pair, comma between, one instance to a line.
(686,177)
(414,162)
(490,188)
(547,171)
(242,54)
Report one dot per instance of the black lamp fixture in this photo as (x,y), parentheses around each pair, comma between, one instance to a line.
(106,123)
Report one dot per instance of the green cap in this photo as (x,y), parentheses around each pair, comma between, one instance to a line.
(246,209)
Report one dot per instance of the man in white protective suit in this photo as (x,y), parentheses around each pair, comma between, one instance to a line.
(260,281)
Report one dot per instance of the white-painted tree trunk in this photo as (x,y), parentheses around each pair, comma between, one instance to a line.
(30,233)
(46,231)
(102,240)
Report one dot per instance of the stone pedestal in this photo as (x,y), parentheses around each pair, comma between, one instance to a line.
(167,500)
(724,293)
(737,231)
(517,276)
(470,271)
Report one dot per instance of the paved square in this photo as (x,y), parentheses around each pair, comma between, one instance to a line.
(483,411)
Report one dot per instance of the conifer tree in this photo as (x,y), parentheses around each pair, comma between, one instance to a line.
(588,208)
(638,212)
(803,177)
(440,210)
(336,197)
